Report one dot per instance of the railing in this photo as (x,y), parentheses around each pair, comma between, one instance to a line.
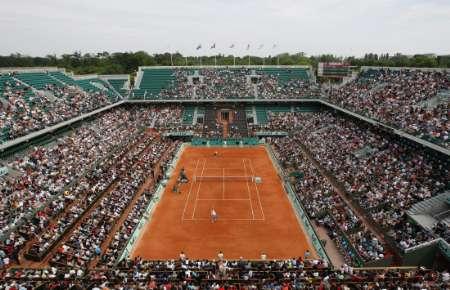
(272,133)
(179,134)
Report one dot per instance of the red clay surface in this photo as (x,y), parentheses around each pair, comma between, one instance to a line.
(253,218)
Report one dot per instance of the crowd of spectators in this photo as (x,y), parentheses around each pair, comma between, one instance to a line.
(270,87)
(87,190)
(232,275)
(112,254)
(24,110)
(224,84)
(400,98)
(326,207)
(383,176)
(45,180)
(208,84)
(179,88)
(85,242)
(234,83)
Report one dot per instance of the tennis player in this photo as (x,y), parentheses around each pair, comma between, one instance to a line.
(183,177)
(214,215)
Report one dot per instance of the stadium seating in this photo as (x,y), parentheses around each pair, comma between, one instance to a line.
(179,274)
(77,201)
(224,83)
(188,115)
(119,85)
(286,74)
(97,85)
(263,110)
(154,80)
(405,99)
(361,151)
(63,78)
(39,80)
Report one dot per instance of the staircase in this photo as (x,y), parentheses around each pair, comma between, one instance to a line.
(430,211)
(225,131)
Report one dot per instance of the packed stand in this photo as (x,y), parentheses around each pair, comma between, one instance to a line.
(224,84)
(113,253)
(186,274)
(270,87)
(179,88)
(381,175)
(233,83)
(23,110)
(87,190)
(48,180)
(85,242)
(398,98)
(322,203)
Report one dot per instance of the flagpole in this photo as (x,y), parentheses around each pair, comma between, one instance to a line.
(170,52)
(234,57)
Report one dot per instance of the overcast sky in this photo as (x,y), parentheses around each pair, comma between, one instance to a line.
(342,27)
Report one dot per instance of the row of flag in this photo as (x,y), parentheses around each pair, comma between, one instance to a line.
(232,46)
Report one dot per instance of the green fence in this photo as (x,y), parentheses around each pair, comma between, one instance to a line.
(224,142)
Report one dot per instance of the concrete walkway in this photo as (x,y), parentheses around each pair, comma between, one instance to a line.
(330,247)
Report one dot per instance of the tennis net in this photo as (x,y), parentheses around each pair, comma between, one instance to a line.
(224,178)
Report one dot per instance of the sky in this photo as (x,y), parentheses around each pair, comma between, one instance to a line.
(340,27)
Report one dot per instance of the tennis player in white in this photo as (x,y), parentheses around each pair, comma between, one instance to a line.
(214,215)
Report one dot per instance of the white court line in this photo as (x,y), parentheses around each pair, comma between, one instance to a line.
(222,219)
(249,192)
(216,199)
(190,189)
(223,183)
(226,168)
(257,191)
(198,190)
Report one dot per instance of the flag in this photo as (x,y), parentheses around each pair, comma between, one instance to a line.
(213,46)
(248,46)
(261,46)
(199,46)
(232,46)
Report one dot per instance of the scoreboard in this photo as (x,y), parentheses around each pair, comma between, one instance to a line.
(334,70)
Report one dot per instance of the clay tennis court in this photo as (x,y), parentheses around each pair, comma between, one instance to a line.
(253,218)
